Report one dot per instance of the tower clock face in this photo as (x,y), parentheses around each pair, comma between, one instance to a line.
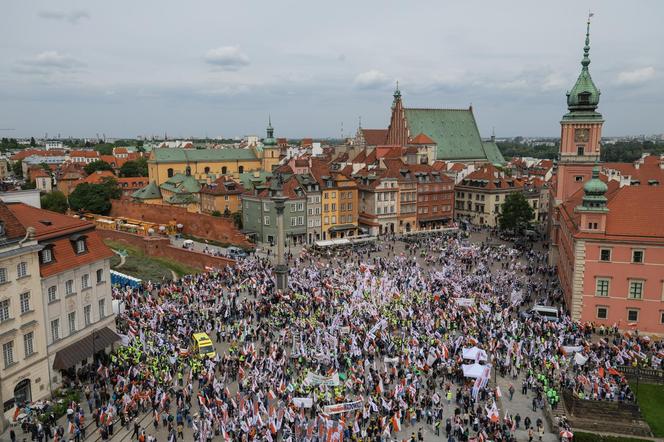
(581,135)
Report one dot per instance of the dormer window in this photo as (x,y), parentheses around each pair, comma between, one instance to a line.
(80,246)
(47,255)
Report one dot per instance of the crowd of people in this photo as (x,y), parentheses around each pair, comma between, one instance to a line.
(363,346)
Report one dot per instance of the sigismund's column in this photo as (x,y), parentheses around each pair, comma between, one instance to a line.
(280,270)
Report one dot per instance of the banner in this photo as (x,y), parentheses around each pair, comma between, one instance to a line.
(465,302)
(316,379)
(580,359)
(391,360)
(342,408)
(303,402)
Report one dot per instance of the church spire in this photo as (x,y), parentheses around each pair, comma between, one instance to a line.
(397,93)
(584,96)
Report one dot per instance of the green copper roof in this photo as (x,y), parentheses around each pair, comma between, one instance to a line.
(454,130)
(151,191)
(180,183)
(269,140)
(249,180)
(181,199)
(493,153)
(164,155)
(594,193)
(584,96)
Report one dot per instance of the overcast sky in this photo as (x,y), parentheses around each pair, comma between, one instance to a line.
(218,68)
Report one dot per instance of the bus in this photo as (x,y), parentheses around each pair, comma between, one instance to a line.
(203,346)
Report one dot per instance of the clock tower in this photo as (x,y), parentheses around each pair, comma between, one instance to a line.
(581,132)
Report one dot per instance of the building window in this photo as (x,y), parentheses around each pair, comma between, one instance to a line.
(69,287)
(87,314)
(637,256)
(635,290)
(28,344)
(578,178)
(266,207)
(327,220)
(300,220)
(71,319)
(240,169)
(602,312)
(85,281)
(46,256)
(80,246)
(605,255)
(225,197)
(8,353)
(100,276)
(350,206)
(293,221)
(170,172)
(102,308)
(3,275)
(579,150)
(25,302)
(334,219)
(55,329)
(4,310)
(300,207)
(661,317)
(632,315)
(266,220)
(206,170)
(224,170)
(52,293)
(22,269)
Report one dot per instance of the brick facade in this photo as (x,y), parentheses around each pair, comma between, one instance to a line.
(196,224)
(161,248)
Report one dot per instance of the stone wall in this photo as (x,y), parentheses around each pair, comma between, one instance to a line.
(605,416)
(160,247)
(195,224)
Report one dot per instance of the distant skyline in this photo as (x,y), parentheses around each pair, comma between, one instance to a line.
(210,68)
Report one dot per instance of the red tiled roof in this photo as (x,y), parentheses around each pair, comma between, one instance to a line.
(648,170)
(38,172)
(84,154)
(119,150)
(491,174)
(98,177)
(65,256)
(44,153)
(13,228)
(421,139)
(219,187)
(374,137)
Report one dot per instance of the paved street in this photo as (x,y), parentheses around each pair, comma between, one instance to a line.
(521,404)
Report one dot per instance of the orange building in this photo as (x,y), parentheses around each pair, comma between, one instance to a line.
(606,239)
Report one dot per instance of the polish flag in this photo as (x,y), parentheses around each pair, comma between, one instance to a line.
(270,395)
(396,424)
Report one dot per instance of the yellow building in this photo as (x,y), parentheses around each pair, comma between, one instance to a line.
(222,195)
(339,202)
(24,370)
(200,163)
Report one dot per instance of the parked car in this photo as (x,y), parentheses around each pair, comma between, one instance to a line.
(236,252)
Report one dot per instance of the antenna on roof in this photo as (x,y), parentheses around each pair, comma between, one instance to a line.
(359,125)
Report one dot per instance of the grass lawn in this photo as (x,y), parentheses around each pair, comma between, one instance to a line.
(580,436)
(651,401)
(144,267)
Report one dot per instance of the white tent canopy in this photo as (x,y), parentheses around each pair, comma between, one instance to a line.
(473,370)
(474,353)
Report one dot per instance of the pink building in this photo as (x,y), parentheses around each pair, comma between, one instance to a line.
(607,240)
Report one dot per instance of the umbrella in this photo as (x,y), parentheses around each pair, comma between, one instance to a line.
(566,434)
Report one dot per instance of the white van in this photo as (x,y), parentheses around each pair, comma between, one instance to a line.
(547,312)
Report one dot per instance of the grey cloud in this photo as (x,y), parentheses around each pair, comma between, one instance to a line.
(373,79)
(229,58)
(72,17)
(49,62)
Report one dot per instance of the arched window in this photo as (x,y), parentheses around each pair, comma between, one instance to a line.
(188,171)
(224,170)
(240,169)
(170,172)
(207,170)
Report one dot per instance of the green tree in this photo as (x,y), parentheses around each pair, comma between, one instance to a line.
(104,148)
(55,201)
(134,168)
(516,214)
(17,168)
(97,165)
(33,143)
(95,198)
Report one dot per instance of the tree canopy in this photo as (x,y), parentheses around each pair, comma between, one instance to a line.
(97,165)
(134,168)
(95,198)
(17,168)
(55,201)
(515,214)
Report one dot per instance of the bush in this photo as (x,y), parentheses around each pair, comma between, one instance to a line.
(216,213)
(55,201)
